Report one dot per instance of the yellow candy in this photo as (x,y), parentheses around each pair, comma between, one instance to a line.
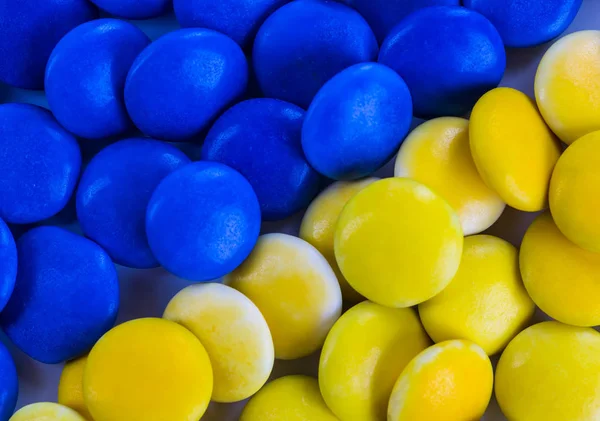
(437,154)
(567,85)
(46,411)
(513,149)
(291,398)
(294,288)
(398,243)
(150,370)
(550,372)
(450,381)
(363,355)
(70,387)
(575,192)
(319,222)
(486,301)
(234,333)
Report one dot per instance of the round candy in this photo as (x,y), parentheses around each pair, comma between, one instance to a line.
(148,369)
(46,411)
(70,387)
(294,287)
(437,154)
(8,268)
(305,43)
(85,77)
(182,81)
(9,384)
(65,298)
(357,121)
(486,301)
(448,56)
(513,148)
(363,355)
(40,164)
(202,221)
(114,192)
(550,372)
(261,138)
(134,9)
(387,253)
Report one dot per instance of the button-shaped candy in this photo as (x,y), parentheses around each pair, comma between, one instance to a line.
(70,387)
(134,9)
(8,269)
(9,384)
(46,411)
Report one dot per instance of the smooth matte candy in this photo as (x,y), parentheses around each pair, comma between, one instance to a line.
(357,122)
(85,77)
(114,192)
(203,221)
(8,266)
(66,295)
(305,43)
(9,384)
(70,387)
(46,411)
(448,57)
(134,9)
(40,164)
(182,81)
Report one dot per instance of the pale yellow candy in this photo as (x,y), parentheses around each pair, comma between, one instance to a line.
(319,222)
(46,411)
(234,333)
(567,85)
(437,154)
(398,243)
(450,381)
(70,387)
(363,355)
(550,372)
(294,288)
(513,149)
(486,301)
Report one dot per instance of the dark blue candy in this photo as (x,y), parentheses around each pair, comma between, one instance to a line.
(203,221)
(40,164)
(134,9)
(9,384)
(182,81)
(66,295)
(448,56)
(305,43)
(8,268)
(357,122)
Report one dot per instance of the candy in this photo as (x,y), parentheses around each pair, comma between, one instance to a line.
(363,355)
(513,148)
(70,387)
(260,138)
(448,56)
(304,44)
(356,122)
(388,253)
(8,268)
(40,164)
(46,411)
(9,384)
(182,81)
(134,9)
(148,369)
(294,288)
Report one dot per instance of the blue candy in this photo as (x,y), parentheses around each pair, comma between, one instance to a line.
(305,43)
(448,56)
(357,122)
(134,9)
(66,295)
(203,221)
(8,267)
(9,384)
(182,81)
(40,164)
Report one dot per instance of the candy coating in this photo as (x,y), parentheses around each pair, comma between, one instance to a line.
(8,269)
(46,411)
(9,384)
(134,9)
(70,387)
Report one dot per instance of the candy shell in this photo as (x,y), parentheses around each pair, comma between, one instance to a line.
(364,353)
(513,149)
(46,411)
(182,81)
(387,253)
(134,9)
(9,384)
(437,154)
(70,387)
(8,268)
(294,287)
(305,43)
(550,372)
(448,56)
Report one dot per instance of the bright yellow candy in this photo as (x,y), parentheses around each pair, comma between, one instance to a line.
(398,243)
(234,333)
(363,355)
(46,411)
(486,301)
(450,381)
(150,370)
(319,222)
(575,192)
(291,398)
(550,372)
(513,149)
(294,288)
(437,154)
(567,85)
(70,387)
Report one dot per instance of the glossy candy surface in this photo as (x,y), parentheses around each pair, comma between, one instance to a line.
(9,384)
(8,268)
(46,411)
(134,9)
(70,387)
